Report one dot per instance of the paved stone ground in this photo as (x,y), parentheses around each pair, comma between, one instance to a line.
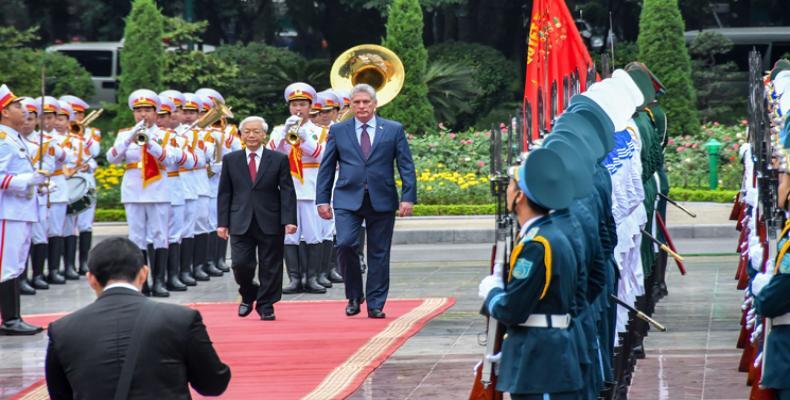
(696,359)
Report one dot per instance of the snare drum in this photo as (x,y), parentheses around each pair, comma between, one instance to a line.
(82,194)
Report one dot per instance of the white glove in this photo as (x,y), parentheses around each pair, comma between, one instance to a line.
(756,254)
(494,358)
(292,120)
(751,197)
(759,282)
(489,283)
(759,360)
(758,331)
(48,188)
(34,178)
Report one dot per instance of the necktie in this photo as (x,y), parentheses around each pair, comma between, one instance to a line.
(364,141)
(253,169)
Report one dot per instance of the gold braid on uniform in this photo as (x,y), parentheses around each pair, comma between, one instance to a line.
(546,261)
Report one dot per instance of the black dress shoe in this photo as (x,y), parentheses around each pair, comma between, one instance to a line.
(245,309)
(376,313)
(40,283)
(56,279)
(352,308)
(267,316)
(17,327)
(25,288)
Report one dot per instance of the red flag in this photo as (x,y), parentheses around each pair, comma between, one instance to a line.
(557,61)
(295,161)
(150,170)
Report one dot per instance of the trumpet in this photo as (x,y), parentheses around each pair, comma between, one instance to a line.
(78,128)
(292,134)
(138,131)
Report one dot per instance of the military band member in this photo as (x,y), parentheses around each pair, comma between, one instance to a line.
(304,156)
(83,163)
(144,190)
(182,159)
(325,113)
(203,226)
(189,114)
(92,139)
(225,138)
(60,225)
(539,357)
(18,182)
(50,153)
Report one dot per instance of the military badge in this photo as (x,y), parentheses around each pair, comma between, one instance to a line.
(521,269)
(784,265)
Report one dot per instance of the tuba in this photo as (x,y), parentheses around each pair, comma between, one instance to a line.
(78,128)
(375,65)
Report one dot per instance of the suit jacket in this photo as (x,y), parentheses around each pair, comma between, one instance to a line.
(88,347)
(342,147)
(270,199)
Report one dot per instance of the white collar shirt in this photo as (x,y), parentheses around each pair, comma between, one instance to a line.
(258,153)
(121,285)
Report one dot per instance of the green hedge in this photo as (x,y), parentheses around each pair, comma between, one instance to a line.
(716,196)
(110,215)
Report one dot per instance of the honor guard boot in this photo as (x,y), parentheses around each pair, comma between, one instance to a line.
(334,274)
(222,253)
(159,271)
(12,323)
(146,289)
(291,255)
(38,257)
(70,258)
(174,283)
(313,268)
(303,270)
(25,287)
(323,265)
(187,252)
(86,239)
(211,256)
(54,253)
(199,261)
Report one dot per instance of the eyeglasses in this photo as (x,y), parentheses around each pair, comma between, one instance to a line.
(253,131)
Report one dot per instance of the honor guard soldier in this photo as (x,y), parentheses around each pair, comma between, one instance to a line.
(19,211)
(91,138)
(144,189)
(344,106)
(203,226)
(182,159)
(539,357)
(326,108)
(190,112)
(49,117)
(45,152)
(59,224)
(83,164)
(298,138)
(225,138)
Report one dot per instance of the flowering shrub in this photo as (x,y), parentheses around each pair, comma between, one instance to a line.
(686,158)
(108,186)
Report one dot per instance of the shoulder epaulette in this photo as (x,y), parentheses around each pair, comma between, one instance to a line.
(546,258)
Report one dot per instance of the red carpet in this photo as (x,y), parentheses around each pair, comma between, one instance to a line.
(312,351)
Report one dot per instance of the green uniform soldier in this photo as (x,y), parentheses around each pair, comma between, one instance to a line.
(539,358)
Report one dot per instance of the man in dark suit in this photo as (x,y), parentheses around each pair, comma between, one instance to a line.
(256,200)
(366,148)
(89,349)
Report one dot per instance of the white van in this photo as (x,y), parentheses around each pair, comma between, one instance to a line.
(102,60)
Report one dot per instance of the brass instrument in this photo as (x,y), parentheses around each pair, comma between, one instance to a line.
(78,127)
(372,64)
(292,134)
(212,116)
(138,131)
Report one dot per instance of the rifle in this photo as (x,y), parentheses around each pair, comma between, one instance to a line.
(639,314)
(676,204)
(662,246)
(662,226)
(484,386)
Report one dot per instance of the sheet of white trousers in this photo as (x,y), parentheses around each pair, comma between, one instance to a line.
(40,228)
(177,224)
(202,223)
(14,247)
(85,219)
(148,222)
(56,214)
(190,217)
(308,224)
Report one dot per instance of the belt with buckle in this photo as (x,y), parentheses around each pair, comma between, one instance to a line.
(781,320)
(562,321)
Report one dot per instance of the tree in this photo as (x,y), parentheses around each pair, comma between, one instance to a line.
(717,96)
(143,55)
(663,49)
(404,37)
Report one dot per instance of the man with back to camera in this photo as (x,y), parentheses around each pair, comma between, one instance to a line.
(366,147)
(173,348)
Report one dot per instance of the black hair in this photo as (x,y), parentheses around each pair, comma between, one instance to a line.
(536,207)
(115,259)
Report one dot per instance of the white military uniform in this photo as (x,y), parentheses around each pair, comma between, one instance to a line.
(203,187)
(189,177)
(180,159)
(147,205)
(51,153)
(83,152)
(92,138)
(18,204)
(59,199)
(309,226)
